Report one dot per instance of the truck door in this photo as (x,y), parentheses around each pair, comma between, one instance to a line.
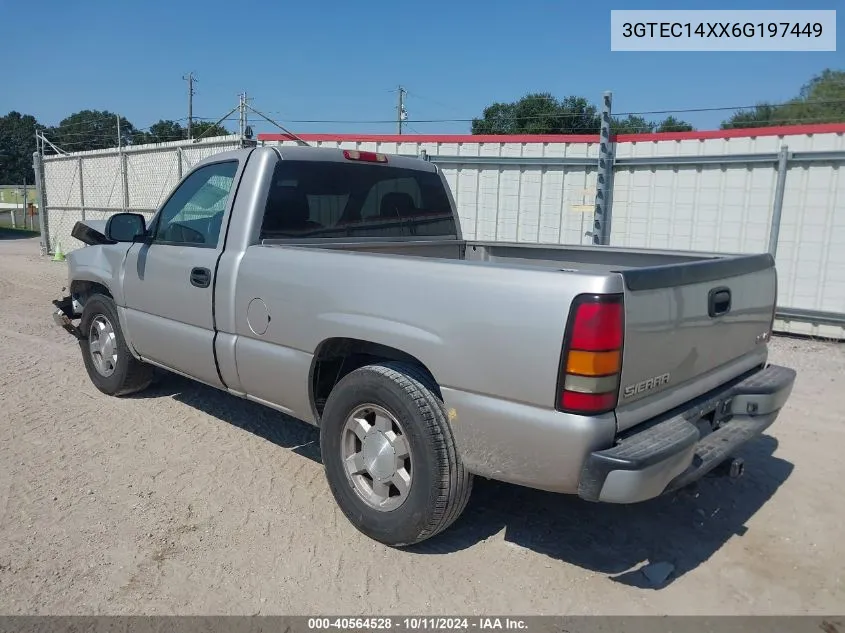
(169,281)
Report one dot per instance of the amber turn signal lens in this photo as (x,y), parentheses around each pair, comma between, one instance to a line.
(593,363)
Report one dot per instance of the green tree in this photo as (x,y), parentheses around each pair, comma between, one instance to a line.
(539,113)
(760,115)
(632,124)
(578,116)
(497,119)
(17,144)
(91,129)
(542,113)
(671,124)
(205,129)
(820,100)
(161,132)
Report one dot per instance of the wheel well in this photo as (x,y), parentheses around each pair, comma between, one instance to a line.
(81,290)
(337,357)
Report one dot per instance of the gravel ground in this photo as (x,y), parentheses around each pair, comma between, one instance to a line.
(186,500)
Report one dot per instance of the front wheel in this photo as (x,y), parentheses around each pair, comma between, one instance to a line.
(389,454)
(110,364)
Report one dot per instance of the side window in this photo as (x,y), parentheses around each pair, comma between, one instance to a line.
(194,213)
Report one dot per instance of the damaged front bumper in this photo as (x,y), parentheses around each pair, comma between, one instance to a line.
(64,315)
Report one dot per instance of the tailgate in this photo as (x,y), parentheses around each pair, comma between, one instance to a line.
(690,327)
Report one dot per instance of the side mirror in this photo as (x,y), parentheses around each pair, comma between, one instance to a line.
(126,227)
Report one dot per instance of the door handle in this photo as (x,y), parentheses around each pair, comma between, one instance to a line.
(200,277)
(719,302)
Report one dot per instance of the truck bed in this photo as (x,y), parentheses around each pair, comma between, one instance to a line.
(692,320)
(594,259)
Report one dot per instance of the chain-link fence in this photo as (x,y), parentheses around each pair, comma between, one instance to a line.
(100,183)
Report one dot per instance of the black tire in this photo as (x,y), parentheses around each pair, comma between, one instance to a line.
(441,485)
(130,375)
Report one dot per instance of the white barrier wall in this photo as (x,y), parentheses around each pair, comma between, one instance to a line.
(719,196)
(705,191)
(504,201)
(728,208)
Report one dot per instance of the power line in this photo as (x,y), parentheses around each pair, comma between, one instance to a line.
(103,135)
(435,102)
(570,115)
(63,128)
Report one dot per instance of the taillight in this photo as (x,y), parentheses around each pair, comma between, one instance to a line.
(592,355)
(367,157)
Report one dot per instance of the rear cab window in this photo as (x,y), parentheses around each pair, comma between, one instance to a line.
(325,199)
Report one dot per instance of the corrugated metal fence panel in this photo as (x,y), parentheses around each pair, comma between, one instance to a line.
(811,245)
(728,208)
(708,207)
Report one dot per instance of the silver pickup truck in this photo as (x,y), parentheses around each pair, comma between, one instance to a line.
(335,286)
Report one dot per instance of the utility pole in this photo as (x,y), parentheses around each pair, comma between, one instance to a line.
(401,115)
(190,79)
(243,105)
(241,114)
(117,116)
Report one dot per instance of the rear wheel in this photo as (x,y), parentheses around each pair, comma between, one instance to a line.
(389,454)
(108,361)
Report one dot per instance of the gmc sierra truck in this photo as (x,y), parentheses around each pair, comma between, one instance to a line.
(335,286)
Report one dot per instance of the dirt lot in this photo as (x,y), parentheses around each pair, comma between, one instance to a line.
(186,500)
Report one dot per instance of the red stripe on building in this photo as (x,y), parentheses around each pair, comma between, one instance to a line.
(783,130)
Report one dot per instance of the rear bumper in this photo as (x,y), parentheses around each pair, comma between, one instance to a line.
(672,452)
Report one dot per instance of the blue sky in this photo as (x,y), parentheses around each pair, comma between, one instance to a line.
(342,61)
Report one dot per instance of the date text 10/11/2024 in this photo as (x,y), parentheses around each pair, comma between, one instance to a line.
(417,624)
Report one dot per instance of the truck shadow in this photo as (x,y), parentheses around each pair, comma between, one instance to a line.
(684,529)
(273,426)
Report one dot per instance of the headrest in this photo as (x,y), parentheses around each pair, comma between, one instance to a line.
(289,206)
(396,204)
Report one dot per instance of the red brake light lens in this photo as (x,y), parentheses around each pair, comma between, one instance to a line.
(576,402)
(597,327)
